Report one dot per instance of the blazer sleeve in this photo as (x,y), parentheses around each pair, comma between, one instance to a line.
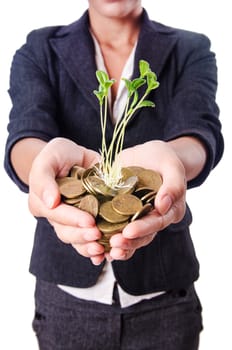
(34,102)
(193,109)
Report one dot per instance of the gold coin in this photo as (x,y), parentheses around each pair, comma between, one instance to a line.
(88,186)
(90,204)
(107,212)
(142,212)
(128,186)
(149,178)
(126,172)
(77,171)
(85,181)
(126,204)
(149,197)
(105,243)
(72,201)
(110,228)
(135,169)
(142,191)
(99,186)
(70,187)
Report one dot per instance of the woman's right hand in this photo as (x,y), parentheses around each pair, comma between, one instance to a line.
(72,225)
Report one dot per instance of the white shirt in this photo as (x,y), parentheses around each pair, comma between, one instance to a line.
(102,291)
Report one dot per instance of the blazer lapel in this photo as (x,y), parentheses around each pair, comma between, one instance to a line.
(74,46)
(155,44)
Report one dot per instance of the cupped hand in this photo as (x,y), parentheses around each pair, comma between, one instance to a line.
(72,226)
(170,202)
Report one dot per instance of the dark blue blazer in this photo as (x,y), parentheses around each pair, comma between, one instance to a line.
(51,87)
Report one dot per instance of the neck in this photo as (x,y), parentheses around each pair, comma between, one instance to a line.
(123,31)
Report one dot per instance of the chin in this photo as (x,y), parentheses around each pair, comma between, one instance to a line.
(116,8)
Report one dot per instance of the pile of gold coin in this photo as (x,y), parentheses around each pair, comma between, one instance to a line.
(113,209)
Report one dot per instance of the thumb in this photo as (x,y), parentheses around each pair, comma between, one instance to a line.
(163,203)
(51,195)
(43,186)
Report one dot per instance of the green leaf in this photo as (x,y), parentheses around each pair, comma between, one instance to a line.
(152,82)
(128,84)
(136,83)
(102,76)
(146,103)
(144,68)
(99,95)
(109,83)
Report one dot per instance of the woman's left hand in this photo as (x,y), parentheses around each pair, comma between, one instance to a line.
(170,203)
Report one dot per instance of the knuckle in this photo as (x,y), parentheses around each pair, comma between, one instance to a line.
(161,223)
(178,192)
(179,211)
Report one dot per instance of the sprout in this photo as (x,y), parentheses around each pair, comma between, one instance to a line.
(110,170)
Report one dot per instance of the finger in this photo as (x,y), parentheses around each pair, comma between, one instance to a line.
(63,213)
(97,260)
(119,241)
(121,254)
(90,250)
(90,158)
(48,192)
(71,216)
(56,159)
(172,189)
(73,235)
(152,222)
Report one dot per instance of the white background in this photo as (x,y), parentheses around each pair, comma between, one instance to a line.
(211,204)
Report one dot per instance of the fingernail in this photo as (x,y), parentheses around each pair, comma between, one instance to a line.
(96,263)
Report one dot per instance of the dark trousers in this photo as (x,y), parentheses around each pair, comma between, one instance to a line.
(169,322)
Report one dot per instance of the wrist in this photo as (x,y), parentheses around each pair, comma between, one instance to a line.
(191,153)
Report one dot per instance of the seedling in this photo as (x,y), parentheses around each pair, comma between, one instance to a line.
(110,169)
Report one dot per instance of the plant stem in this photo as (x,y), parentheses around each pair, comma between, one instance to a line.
(111,171)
